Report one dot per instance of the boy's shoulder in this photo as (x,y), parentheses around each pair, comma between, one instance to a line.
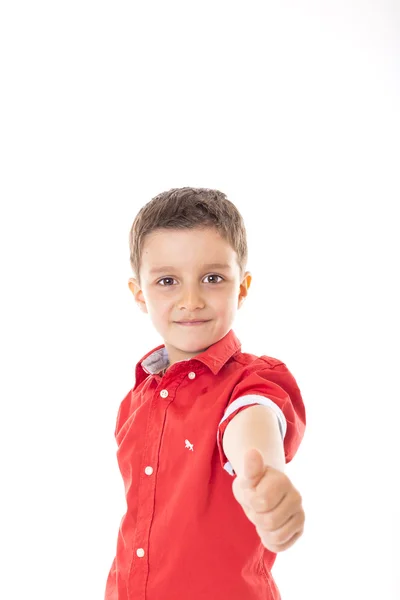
(252,361)
(245,365)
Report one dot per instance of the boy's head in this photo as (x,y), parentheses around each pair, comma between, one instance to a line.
(188,253)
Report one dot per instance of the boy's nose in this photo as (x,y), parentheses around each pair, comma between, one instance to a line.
(191,299)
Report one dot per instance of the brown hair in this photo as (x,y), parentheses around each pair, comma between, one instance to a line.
(189,208)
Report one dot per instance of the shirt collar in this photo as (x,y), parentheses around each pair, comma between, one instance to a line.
(214,357)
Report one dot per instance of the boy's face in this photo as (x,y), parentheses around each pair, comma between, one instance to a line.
(178,284)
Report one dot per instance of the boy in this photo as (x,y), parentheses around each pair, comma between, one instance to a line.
(205,432)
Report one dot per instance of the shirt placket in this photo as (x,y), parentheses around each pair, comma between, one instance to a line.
(146,491)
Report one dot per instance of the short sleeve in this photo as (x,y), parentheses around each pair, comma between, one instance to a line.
(123,413)
(271,384)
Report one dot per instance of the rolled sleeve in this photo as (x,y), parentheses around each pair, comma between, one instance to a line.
(270,384)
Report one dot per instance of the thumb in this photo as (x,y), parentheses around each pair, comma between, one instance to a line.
(254,468)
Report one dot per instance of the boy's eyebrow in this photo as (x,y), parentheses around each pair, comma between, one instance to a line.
(207,266)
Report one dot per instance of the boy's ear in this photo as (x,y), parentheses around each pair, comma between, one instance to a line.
(138,294)
(244,288)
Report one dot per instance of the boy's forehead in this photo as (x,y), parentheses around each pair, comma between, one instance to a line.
(174,248)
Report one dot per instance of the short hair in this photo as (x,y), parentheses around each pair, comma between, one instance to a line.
(189,208)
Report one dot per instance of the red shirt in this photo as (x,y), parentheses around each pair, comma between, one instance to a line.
(184,536)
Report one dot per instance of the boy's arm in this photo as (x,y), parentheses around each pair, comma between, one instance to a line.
(266,494)
(257,428)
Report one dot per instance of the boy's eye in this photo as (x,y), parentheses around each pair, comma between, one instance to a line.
(214,275)
(166,279)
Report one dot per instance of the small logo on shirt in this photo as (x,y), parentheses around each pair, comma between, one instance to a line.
(188,445)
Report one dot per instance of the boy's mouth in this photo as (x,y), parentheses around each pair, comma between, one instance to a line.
(189,323)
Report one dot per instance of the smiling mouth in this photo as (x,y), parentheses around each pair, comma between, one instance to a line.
(189,323)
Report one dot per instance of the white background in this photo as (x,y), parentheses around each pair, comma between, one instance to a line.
(291,109)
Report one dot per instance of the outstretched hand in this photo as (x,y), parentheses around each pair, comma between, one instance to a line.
(270,502)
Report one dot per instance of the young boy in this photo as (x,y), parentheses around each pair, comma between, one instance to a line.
(204,435)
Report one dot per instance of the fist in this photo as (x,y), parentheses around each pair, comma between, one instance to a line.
(270,502)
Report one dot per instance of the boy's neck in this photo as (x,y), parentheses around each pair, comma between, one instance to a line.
(181,356)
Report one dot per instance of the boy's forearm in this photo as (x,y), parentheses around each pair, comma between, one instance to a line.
(255,427)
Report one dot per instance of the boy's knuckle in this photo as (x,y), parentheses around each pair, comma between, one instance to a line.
(269,522)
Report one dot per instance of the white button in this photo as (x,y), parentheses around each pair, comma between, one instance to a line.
(140,552)
(164,393)
(148,470)
(191,375)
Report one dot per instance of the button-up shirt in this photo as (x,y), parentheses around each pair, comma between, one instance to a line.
(184,536)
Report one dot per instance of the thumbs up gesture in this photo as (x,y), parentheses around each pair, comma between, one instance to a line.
(270,502)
